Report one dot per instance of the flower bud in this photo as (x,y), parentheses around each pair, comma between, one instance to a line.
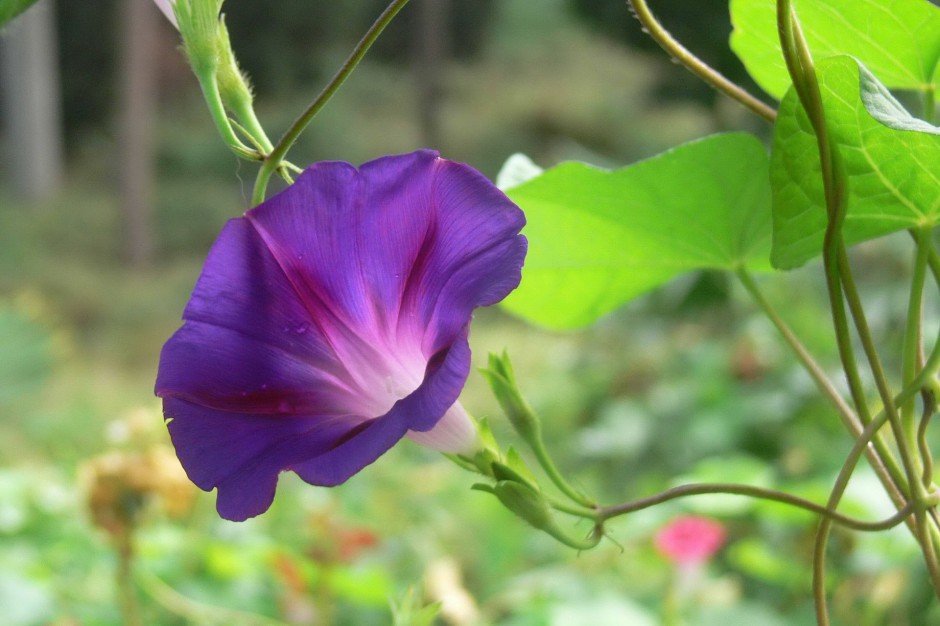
(503,383)
(525,502)
(198,22)
(233,84)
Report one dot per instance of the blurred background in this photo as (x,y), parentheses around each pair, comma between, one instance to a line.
(114,186)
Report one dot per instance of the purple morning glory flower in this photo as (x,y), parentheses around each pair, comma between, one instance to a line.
(331,321)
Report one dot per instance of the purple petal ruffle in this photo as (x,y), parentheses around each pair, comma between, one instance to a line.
(331,320)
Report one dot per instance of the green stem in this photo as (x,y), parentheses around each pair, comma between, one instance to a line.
(849,418)
(800,64)
(861,444)
(695,65)
(210,91)
(804,80)
(130,608)
(587,543)
(609,512)
(933,260)
(196,612)
(571,509)
(835,496)
(545,460)
(840,283)
(913,349)
(877,369)
(881,459)
(273,161)
(930,407)
(251,125)
(927,535)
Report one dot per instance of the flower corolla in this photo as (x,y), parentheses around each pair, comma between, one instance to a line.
(332,320)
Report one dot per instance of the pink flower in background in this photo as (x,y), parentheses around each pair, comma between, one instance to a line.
(690,539)
(167,7)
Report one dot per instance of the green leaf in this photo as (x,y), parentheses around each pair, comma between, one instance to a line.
(892,160)
(898,40)
(598,238)
(11,8)
(411,610)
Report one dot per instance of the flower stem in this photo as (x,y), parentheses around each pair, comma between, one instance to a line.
(926,534)
(682,491)
(849,418)
(880,458)
(841,288)
(912,356)
(273,160)
(130,608)
(195,612)
(548,465)
(835,496)
(572,509)
(695,65)
(210,91)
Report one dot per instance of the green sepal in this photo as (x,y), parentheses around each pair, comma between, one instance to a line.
(503,472)
(487,454)
(526,503)
(198,22)
(502,381)
(487,438)
(517,464)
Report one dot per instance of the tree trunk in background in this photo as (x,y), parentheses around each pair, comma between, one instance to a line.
(138,91)
(31,104)
(431,51)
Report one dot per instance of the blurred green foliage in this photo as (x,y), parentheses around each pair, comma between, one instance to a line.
(283,46)
(687,383)
(702,27)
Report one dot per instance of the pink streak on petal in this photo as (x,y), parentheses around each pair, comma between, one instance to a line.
(384,369)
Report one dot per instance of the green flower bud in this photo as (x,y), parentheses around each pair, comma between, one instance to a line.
(209,49)
(502,381)
(234,86)
(527,503)
(198,21)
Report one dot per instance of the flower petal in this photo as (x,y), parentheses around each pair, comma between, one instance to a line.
(455,433)
(420,411)
(167,8)
(332,320)
(243,454)
(248,343)
(475,258)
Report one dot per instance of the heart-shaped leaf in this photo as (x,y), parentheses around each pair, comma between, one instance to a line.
(898,40)
(892,160)
(598,238)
